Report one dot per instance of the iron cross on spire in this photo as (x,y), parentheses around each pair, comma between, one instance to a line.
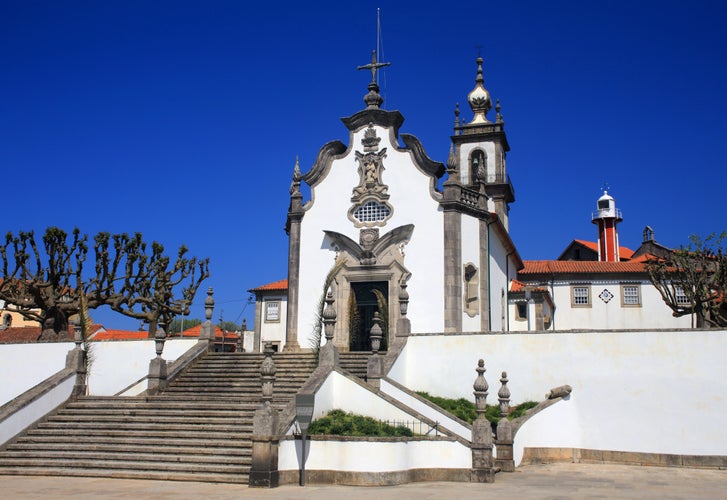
(373,66)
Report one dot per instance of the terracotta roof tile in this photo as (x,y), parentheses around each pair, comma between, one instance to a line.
(580,267)
(120,335)
(281,285)
(623,252)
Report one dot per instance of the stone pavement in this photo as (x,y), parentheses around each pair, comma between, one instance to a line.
(552,481)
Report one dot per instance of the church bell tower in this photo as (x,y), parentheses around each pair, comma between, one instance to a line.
(477,160)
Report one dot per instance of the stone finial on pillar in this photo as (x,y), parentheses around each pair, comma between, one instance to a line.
(267,374)
(375,365)
(504,441)
(208,330)
(329,317)
(481,387)
(376,333)
(157,380)
(482,464)
(403,326)
(76,360)
(160,337)
(503,395)
(328,354)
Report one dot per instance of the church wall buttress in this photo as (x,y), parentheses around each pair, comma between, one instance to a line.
(452,272)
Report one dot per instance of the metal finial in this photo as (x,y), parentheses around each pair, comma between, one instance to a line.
(373,99)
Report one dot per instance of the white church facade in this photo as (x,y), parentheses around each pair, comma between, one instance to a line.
(425,258)
(427,246)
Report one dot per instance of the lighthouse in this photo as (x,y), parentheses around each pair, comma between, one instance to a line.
(606,217)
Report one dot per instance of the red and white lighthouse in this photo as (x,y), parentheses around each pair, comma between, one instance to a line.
(606,218)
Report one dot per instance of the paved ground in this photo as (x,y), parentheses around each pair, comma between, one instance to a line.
(555,481)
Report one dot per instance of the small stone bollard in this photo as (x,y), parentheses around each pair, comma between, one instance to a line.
(482,464)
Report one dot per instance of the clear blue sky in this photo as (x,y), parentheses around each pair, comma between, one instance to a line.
(182,119)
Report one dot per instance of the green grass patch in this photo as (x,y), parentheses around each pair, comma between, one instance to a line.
(467,411)
(340,423)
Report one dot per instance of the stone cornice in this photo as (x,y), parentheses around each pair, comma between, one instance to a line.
(381,117)
(323,162)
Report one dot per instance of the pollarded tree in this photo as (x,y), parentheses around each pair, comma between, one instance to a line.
(144,285)
(693,280)
(48,286)
(44,289)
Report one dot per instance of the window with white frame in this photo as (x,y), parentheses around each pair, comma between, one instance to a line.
(272,311)
(630,295)
(581,295)
(681,297)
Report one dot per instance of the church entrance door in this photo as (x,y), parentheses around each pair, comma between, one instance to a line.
(365,302)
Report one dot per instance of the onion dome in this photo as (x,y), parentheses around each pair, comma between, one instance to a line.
(479,98)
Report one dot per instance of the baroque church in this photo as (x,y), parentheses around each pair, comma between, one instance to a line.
(426,246)
(423,254)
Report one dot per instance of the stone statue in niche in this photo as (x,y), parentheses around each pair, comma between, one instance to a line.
(370,168)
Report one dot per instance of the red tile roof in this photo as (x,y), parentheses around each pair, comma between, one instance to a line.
(580,267)
(519,286)
(121,335)
(281,286)
(623,252)
(196,331)
(19,334)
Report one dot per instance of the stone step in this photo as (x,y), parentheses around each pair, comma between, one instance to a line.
(153,411)
(138,465)
(227,434)
(196,446)
(167,427)
(190,421)
(160,459)
(237,477)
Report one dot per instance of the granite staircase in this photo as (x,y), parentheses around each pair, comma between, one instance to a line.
(199,429)
(354,362)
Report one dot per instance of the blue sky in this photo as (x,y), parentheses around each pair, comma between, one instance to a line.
(182,119)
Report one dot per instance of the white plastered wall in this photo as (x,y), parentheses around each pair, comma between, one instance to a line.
(654,392)
(412,203)
(116,365)
(26,365)
(274,331)
(611,315)
(499,283)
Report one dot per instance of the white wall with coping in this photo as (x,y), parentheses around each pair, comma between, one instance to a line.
(426,410)
(27,365)
(658,392)
(27,415)
(338,392)
(116,365)
(375,456)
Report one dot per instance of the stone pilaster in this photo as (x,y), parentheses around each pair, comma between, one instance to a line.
(485,320)
(291,326)
(452,268)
